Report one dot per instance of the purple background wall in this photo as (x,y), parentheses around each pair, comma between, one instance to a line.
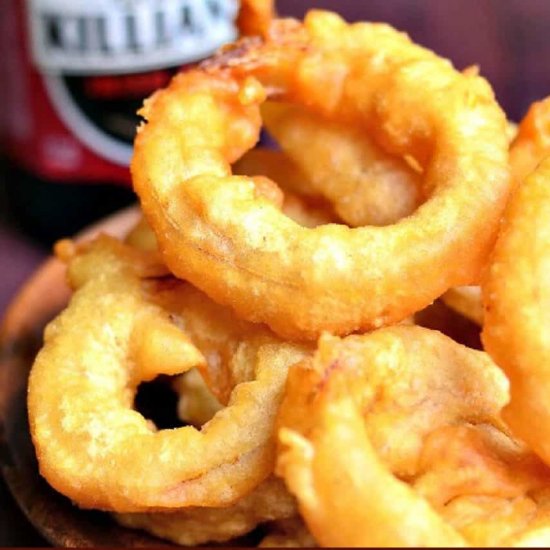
(509,39)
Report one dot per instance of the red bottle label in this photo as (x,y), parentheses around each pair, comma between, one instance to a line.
(78,71)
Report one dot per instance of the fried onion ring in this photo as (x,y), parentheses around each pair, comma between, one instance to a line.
(466,300)
(516,295)
(301,203)
(288,533)
(306,211)
(141,236)
(191,526)
(366,185)
(416,419)
(255,16)
(215,231)
(90,443)
(278,167)
(532,142)
(196,403)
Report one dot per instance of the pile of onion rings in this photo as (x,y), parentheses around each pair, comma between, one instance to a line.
(314,308)
(422,468)
(220,232)
(124,326)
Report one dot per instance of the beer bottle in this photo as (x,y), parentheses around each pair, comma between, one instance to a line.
(76,71)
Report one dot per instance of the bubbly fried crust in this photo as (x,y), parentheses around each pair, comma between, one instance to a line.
(276,165)
(255,16)
(418,417)
(196,402)
(532,141)
(241,250)
(530,144)
(516,294)
(288,533)
(124,326)
(269,501)
(366,185)
(466,300)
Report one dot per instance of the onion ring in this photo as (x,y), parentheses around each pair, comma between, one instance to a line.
(288,533)
(92,446)
(419,419)
(366,185)
(466,300)
(278,167)
(306,211)
(141,236)
(196,403)
(215,231)
(505,486)
(191,526)
(255,16)
(532,142)
(515,294)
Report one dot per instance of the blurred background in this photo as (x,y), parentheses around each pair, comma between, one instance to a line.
(74,72)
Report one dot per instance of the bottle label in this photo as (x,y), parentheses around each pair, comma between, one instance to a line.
(84,37)
(89,64)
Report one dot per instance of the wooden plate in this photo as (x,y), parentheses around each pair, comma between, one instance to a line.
(54,516)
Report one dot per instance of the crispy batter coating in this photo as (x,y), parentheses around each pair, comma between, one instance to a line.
(141,236)
(123,326)
(254,16)
(306,211)
(366,185)
(238,247)
(191,526)
(466,300)
(516,294)
(277,166)
(196,403)
(288,533)
(395,439)
(532,142)
(529,145)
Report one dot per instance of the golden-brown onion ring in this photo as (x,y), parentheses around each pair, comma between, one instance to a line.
(466,300)
(505,486)
(142,237)
(516,295)
(532,142)
(366,185)
(288,533)
(191,526)
(416,419)
(215,231)
(278,167)
(529,144)
(254,16)
(93,446)
(306,211)
(196,403)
